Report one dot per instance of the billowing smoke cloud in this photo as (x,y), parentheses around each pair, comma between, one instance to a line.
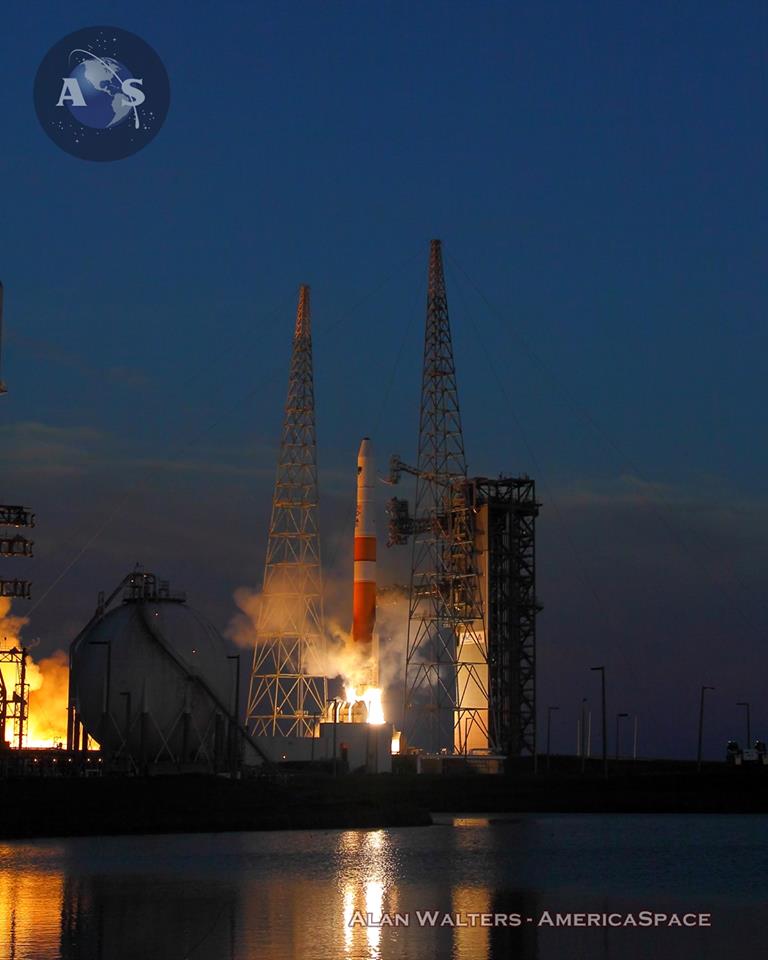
(342,657)
(243,626)
(10,625)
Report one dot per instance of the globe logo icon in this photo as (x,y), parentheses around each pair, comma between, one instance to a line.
(100,80)
(102,93)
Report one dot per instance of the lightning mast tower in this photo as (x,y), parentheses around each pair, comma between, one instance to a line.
(446,676)
(284,698)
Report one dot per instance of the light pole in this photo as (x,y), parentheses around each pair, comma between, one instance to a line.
(701,725)
(234,730)
(743,703)
(550,711)
(335,703)
(605,732)
(619,717)
(583,733)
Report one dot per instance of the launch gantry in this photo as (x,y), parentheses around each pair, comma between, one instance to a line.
(470,658)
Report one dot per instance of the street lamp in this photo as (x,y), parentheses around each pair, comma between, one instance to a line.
(550,711)
(701,725)
(619,716)
(743,703)
(234,729)
(335,703)
(605,734)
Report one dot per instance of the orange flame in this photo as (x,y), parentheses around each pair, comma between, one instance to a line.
(371,697)
(48,692)
(48,685)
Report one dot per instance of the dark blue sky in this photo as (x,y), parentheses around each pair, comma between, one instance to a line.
(598,175)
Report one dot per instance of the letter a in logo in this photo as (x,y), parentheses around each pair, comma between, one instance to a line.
(70,90)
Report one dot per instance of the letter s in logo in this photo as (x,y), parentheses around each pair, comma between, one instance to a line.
(133,96)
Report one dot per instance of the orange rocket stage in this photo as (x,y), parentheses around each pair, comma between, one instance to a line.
(358,717)
(364,597)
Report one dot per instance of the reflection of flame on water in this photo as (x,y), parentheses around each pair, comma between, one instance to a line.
(367,870)
(349,912)
(374,907)
(473,942)
(371,697)
(31,902)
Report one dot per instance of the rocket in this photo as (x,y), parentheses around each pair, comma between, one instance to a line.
(364,597)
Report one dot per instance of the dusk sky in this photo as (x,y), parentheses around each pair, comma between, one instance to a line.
(597,173)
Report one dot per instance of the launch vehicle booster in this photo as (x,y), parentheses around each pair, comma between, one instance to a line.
(364,597)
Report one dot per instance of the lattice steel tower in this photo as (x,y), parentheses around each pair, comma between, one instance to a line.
(446,677)
(284,699)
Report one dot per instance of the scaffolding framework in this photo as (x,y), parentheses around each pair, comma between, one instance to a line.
(14,547)
(446,673)
(14,696)
(506,511)
(287,694)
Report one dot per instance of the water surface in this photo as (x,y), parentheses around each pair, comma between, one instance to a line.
(285,895)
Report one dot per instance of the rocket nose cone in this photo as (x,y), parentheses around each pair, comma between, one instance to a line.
(366,448)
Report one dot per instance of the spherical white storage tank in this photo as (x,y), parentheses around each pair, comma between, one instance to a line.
(151,679)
